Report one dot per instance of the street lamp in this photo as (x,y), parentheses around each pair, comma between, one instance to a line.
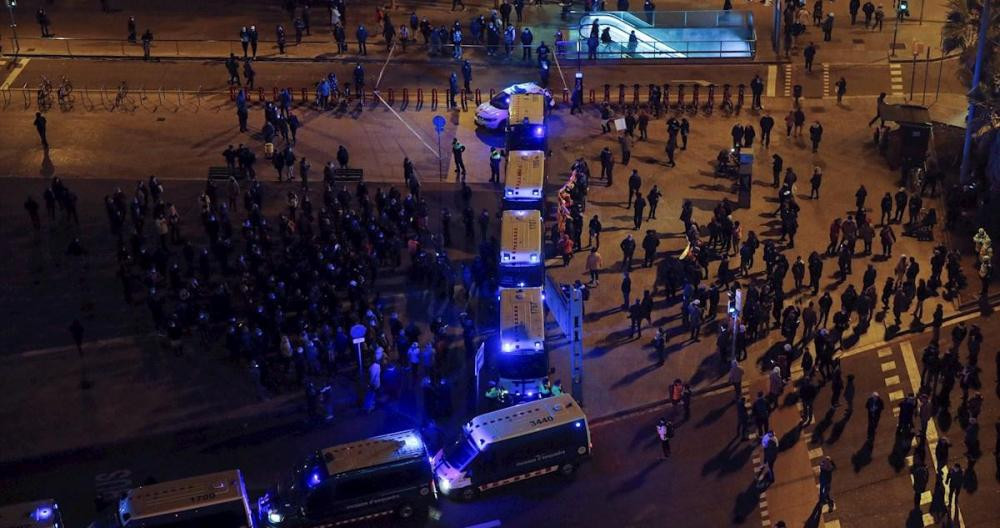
(11,4)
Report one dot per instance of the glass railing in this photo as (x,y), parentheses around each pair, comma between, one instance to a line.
(665,35)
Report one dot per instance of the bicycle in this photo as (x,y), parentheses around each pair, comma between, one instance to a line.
(122,98)
(44,94)
(65,94)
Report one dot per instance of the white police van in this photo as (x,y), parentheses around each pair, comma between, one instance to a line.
(540,437)
(524,180)
(522,361)
(386,477)
(37,514)
(217,499)
(526,129)
(522,261)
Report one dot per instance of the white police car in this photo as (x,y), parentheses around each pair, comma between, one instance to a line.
(493,113)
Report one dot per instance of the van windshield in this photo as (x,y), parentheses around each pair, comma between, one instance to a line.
(501,101)
(230,519)
(522,366)
(461,453)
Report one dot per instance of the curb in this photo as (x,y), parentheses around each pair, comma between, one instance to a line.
(617,415)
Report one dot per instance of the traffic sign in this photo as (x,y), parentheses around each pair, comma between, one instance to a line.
(439,123)
(358,332)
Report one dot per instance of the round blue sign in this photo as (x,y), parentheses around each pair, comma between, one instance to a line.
(439,123)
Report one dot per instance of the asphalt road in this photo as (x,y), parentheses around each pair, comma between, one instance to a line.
(865,79)
(704,482)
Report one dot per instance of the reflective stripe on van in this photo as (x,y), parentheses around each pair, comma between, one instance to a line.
(518,478)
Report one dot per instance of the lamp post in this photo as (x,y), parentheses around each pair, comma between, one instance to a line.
(965,172)
(13,26)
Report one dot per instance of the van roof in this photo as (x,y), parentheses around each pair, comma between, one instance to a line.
(522,231)
(521,315)
(525,168)
(373,451)
(37,514)
(525,105)
(183,495)
(523,419)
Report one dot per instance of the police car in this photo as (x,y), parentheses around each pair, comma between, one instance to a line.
(38,514)
(493,114)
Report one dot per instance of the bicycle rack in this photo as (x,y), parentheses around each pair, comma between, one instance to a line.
(86,99)
(679,105)
(710,103)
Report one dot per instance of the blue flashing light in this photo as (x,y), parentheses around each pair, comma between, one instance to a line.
(520,284)
(578,424)
(530,393)
(539,131)
(314,479)
(43,513)
(507,346)
(412,442)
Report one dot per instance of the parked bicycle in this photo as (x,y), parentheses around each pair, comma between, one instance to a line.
(65,94)
(44,94)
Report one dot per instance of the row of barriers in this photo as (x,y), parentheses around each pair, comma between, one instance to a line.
(110,99)
(665,95)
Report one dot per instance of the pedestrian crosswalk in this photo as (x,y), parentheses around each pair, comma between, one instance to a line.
(896,79)
(826,80)
(788,80)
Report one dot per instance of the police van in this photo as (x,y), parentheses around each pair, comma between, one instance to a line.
(540,437)
(358,482)
(217,499)
(37,514)
(525,180)
(526,128)
(523,361)
(522,260)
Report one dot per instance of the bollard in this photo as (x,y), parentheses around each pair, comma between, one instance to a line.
(232,93)
(492,93)
(607,93)
(434,98)
(305,98)
(420,97)
(666,96)
(274,93)
(592,98)
(695,95)
(680,95)
(406,97)
(392,97)
(479,97)
(565,96)
(649,93)
(635,94)
(739,95)
(465,100)
(711,95)
(260,95)
(621,94)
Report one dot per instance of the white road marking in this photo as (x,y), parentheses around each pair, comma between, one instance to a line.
(772,79)
(891,380)
(888,365)
(913,373)
(15,71)
(489,524)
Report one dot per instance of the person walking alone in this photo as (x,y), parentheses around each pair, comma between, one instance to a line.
(40,125)
(826,468)
(665,431)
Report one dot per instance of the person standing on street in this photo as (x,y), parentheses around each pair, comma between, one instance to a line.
(147,43)
(43,22)
(665,431)
(955,481)
(841,89)
(873,407)
(816,135)
(853,8)
(809,53)
(625,141)
(594,265)
(40,126)
(766,124)
(456,150)
(828,27)
(826,468)
(920,479)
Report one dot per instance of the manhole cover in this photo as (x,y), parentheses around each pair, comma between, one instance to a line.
(858,41)
(899,45)
(161,119)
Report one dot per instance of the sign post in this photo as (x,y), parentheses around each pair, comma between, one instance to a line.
(358,332)
(735,308)
(439,123)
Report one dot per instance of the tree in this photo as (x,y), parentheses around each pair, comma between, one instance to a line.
(961,33)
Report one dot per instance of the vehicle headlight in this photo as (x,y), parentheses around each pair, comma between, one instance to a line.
(444,485)
(275,517)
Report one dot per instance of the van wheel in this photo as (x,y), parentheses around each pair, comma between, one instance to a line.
(567,470)
(468,493)
(405,511)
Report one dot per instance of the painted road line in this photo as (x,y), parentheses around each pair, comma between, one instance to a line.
(895,396)
(772,79)
(815,453)
(826,79)
(832,524)
(884,352)
(788,80)
(896,79)
(888,365)
(912,372)
(891,380)
(15,71)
